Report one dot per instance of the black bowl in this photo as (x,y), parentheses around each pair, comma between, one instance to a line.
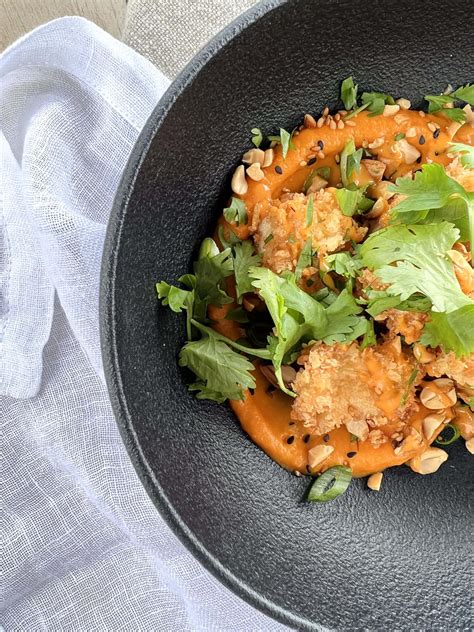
(396,559)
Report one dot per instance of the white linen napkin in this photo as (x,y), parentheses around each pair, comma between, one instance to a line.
(84,548)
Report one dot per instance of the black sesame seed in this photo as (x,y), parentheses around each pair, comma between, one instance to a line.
(320,145)
(326,438)
(251,391)
(418,160)
(290,440)
(436,133)
(308,469)
(422,140)
(306,438)
(436,153)
(291,423)
(278,169)
(311,161)
(351,454)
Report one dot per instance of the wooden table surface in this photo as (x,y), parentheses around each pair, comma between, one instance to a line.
(17,17)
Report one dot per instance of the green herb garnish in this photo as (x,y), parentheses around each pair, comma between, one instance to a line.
(299,317)
(353,200)
(268,239)
(411,379)
(435,197)
(453,435)
(399,136)
(331,484)
(376,101)
(244,258)
(438,103)
(344,264)
(305,259)
(257,137)
(349,93)
(467,154)
(285,139)
(349,162)
(237,212)
(309,211)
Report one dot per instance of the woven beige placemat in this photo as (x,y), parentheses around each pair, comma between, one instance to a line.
(170,32)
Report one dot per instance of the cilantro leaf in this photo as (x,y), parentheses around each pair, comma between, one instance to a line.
(257,137)
(467,154)
(174,297)
(259,353)
(210,270)
(222,373)
(343,323)
(455,114)
(465,93)
(421,263)
(237,212)
(244,258)
(435,197)
(349,93)
(344,264)
(438,103)
(451,332)
(379,301)
(177,300)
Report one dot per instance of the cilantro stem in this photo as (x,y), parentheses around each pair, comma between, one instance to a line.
(265,354)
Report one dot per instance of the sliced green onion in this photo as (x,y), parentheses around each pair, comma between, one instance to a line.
(257,136)
(309,211)
(331,484)
(454,434)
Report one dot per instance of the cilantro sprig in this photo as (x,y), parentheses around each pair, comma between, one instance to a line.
(413,259)
(439,103)
(434,197)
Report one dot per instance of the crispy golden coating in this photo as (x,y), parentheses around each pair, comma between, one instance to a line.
(461,370)
(465,177)
(367,279)
(280,228)
(341,384)
(398,322)
(407,324)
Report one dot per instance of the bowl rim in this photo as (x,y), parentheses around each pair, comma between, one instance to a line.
(108,341)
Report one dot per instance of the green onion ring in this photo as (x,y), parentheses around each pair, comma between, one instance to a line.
(456,434)
(331,484)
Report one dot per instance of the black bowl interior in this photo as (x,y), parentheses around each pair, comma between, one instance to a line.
(397,559)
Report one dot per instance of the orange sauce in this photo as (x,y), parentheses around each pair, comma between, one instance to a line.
(265,415)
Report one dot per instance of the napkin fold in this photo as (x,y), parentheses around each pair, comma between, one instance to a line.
(84,548)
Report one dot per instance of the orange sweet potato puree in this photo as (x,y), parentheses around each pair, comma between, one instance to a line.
(266,416)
